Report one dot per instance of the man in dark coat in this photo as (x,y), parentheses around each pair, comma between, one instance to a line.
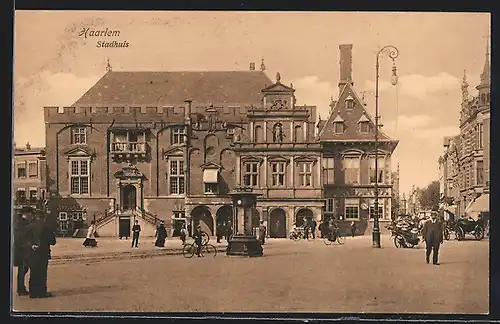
(161,235)
(40,236)
(198,238)
(21,250)
(432,233)
(136,231)
(313,228)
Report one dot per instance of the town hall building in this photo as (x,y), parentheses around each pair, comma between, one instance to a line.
(170,146)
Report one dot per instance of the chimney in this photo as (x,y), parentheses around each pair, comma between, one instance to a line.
(252,66)
(187,110)
(345,65)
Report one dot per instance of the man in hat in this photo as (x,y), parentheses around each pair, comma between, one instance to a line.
(136,231)
(40,236)
(432,233)
(21,249)
(198,238)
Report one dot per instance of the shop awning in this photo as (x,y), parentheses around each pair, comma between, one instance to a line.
(210,175)
(480,204)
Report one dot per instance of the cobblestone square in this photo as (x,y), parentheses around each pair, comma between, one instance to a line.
(291,277)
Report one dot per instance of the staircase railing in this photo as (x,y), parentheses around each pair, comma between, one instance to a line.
(147,216)
(103,220)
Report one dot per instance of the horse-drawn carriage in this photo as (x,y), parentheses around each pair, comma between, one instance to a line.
(469,226)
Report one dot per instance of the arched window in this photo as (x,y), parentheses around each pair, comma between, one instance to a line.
(258,135)
(298,134)
(278,134)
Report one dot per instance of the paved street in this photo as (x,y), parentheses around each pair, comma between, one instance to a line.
(291,277)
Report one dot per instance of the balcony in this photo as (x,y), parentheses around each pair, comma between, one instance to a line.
(126,150)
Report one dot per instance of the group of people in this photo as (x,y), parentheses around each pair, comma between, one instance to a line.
(33,237)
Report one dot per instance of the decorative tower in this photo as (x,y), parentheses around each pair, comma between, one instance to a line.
(484,85)
(262,65)
(108,67)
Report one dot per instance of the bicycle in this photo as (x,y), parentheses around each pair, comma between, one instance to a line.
(190,250)
(334,236)
(296,236)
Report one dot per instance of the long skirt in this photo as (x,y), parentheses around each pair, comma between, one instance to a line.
(90,242)
(160,242)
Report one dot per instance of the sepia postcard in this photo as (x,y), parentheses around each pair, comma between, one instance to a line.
(251,162)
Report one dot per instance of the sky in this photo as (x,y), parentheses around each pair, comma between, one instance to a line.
(54,65)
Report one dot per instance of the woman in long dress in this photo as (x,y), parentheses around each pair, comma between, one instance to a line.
(161,235)
(90,241)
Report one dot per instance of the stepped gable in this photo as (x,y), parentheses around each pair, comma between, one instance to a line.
(350,119)
(172,88)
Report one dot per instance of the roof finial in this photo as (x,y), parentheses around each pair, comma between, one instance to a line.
(465,86)
(262,65)
(108,67)
(278,77)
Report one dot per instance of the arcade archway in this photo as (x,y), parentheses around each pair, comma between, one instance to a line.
(201,215)
(303,215)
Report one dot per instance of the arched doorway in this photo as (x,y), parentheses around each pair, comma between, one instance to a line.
(129,197)
(201,215)
(277,226)
(224,220)
(303,215)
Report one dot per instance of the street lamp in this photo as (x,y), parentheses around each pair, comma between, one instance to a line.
(392,52)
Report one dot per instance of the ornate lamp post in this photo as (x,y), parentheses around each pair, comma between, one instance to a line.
(392,52)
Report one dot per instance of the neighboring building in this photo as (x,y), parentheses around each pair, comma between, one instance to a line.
(29,176)
(397,208)
(466,162)
(348,156)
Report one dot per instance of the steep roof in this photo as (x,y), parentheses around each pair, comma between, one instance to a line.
(173,88)
(350,120)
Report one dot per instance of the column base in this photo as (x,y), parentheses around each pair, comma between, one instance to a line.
(244,245)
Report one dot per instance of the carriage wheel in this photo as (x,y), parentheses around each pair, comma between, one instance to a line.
(327,240)
(459,233)
(399,242)
(479,233)
(446,234)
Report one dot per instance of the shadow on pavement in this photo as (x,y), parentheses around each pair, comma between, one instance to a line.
(85,290)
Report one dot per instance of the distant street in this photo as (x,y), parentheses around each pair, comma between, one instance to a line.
(291,277)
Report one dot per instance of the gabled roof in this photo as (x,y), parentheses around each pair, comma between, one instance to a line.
(172,88)
(78,151)
(350,119)
(210,165)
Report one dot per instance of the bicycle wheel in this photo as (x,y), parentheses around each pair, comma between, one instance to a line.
(209,250)
(189,250)
(327,241)
(204,238)
(295,237)
(340,239)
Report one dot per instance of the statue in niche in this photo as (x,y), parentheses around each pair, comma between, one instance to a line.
(278,134)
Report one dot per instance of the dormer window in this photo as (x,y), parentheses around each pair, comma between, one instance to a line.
(338,125)
(363,125)
(349,102)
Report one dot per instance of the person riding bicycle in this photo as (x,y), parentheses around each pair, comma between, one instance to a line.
(197,236)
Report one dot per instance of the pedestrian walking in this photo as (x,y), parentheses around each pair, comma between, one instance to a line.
(219,230)
(198,240)
(21,250)
(432,232)
(136,231)
(320,229)
(90,240)
(313,228)
(353,228)
(306,229)
(262,232)
(161,235)
(40,236)
(183,234)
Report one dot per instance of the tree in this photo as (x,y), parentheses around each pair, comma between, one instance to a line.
(429,196)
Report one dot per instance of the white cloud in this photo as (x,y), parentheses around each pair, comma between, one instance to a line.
(310,90)
(43,89)
(420,86)
(437,133)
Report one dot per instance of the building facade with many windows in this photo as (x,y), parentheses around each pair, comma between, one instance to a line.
(172,145)
(29,181)
(465,164)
